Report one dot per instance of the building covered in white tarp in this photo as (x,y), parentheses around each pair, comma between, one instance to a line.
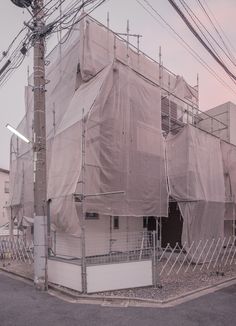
(108,164)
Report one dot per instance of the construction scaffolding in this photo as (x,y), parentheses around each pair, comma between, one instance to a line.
(108,106)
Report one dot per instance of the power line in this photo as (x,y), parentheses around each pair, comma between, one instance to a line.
(192,29)
(215,28)
(183,43)
(193,17)
(66,21)
(191,14)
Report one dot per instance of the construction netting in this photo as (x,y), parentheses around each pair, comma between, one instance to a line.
(229,159)
(104,141)
(106,105)
(196,180)
(119,110)
(125,147)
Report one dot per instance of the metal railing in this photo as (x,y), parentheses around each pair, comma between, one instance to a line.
(16,248)
(178,264)
(198,261)
(120,247)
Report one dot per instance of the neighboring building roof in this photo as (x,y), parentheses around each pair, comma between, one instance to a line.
(4,170)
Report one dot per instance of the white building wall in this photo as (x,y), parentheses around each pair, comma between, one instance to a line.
(211,125)
(4,196)
(232,123)
(101,237)
(226,113)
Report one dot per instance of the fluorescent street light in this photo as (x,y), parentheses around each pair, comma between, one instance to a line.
(17,133)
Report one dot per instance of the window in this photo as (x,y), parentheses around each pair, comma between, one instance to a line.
(91,216)
(6,187)
(145,222)
(116,225)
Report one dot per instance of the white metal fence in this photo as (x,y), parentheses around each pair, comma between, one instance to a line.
(16,248)
(180,264)
(213,256)
(183,262)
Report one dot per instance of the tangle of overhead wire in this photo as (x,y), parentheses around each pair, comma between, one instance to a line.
(5,53)
(71,10)
(74,20)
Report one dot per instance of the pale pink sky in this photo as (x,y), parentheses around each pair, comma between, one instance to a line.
(175,57)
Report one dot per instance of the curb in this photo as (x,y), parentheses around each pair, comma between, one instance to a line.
(176,300)
(121,301)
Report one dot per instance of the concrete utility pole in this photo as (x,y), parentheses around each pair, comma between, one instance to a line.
(39,144)
(40,173)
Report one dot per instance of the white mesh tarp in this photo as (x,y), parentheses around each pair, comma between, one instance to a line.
(229,161)
(100,46)
(125,147)
(196,181)
(123,142)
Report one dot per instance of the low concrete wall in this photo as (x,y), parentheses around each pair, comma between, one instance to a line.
(119,276)
(65,273)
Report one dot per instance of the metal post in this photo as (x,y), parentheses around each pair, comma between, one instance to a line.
(127,31)
(197,92)
(154,259)
(234,217)
(108,21)
(82,220)
(40,189)
(169,108)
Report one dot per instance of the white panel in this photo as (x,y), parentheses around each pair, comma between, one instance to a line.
(119,276)
(97,236)
(65,274)
(67,245)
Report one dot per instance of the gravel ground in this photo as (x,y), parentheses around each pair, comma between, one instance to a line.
(19,268)
(168,286)
(176,285)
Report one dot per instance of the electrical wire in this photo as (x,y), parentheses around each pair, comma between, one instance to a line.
(66,21)
(183,43)
(192,29)
(215,28)
(193,17)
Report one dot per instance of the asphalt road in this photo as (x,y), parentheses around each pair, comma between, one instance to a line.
(22,305)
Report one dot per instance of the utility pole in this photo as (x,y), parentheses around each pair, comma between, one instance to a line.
(39,143)
(39,140)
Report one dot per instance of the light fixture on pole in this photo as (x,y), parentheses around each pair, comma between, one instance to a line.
(22,3)
(17,133)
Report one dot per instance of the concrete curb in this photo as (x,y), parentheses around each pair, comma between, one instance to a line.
(121,301)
